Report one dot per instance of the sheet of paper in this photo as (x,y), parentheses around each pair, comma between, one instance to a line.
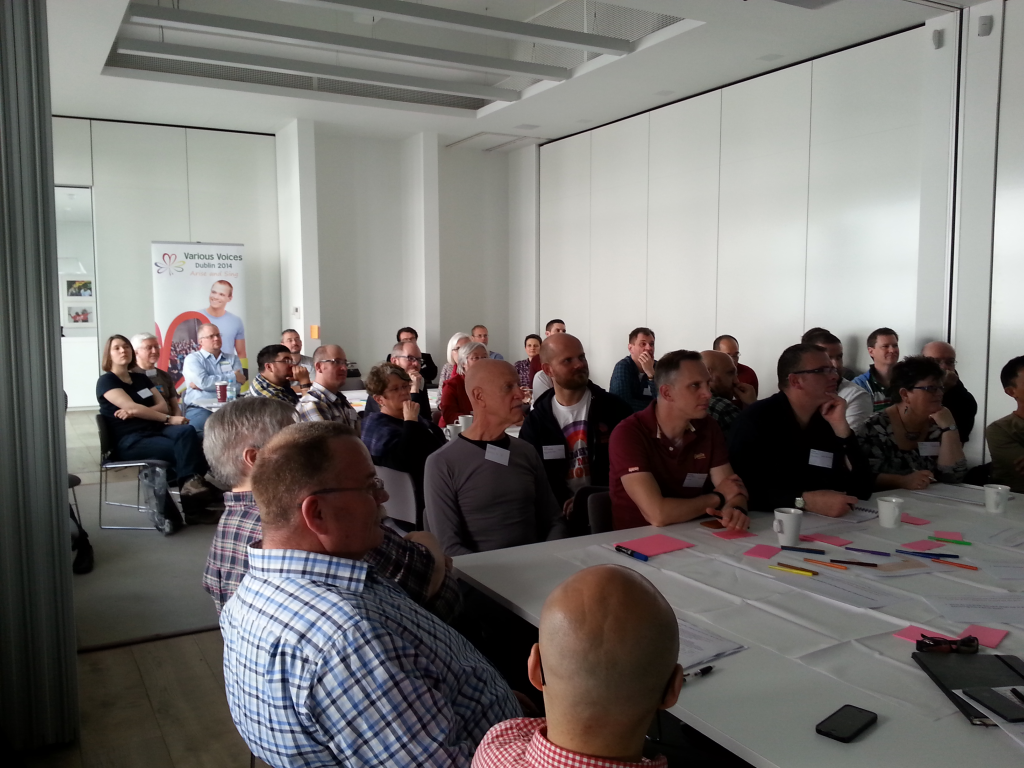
(949,535)
(824,538)
(966,495)
(913,634)
(995,609)
(922,546)
(699,646)
(987,636)
(1006,570)
(730,535)
(911,520)
(763,551)
(842,588)
(902,566)
(860,513)
(658,544)
(1014,730)
(1006,536)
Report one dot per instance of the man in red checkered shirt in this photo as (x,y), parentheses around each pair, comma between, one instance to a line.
(606,662)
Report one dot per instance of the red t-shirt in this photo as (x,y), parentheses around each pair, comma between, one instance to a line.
(746,375)
(680,470)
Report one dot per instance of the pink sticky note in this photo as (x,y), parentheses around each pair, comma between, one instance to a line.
(835,541)
(949,535)
(729,535)
(923,546)
(658,544)
(987,636)
(913,634)
(764,551)
(911,520)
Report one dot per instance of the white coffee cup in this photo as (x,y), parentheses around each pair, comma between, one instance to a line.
(453,430)
(996,497)
(890,511)
(465,421)
(787,525)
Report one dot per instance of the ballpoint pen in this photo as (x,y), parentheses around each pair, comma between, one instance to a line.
(926,555)
(702,672)
(856,562)
(630,552)
(869,552)
(808,550)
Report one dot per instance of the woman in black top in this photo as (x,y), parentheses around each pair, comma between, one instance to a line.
(141,427)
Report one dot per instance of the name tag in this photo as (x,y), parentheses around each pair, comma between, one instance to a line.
(695,479)
(151,373)
(820,459)
(552,452)
(497,455)
(647,391)
(144,393)
(928,449)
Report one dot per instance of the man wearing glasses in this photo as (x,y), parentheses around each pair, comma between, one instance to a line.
(407,356)
(427,365)
(960,402)
(795,448)
(275,364)
(202,370)
(324,400)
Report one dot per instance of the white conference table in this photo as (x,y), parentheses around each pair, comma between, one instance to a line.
(357,398)
(806,656)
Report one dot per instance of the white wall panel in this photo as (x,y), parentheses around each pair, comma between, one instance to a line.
(523,191)
(72,152)
(618,241)
(565,234)
(864,193)
(763,216)
(233,199)
(140,194)
(682,245)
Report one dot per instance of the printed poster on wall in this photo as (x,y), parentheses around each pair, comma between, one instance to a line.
(193,284)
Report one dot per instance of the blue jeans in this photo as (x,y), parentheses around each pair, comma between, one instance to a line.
(179,446)
(197,418)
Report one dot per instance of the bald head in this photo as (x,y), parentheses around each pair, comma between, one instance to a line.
(722,370)
(493,390)
(593,656)
(558,344)
(331,367)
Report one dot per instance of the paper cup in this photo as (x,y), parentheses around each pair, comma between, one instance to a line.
(996,497)
(890,510)
(222,391)
(787,525)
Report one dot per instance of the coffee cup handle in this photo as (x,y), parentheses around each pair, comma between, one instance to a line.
(777,525)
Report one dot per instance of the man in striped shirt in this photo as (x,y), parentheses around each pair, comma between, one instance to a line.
(325,661)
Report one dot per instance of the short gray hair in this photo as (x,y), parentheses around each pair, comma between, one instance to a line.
(241,424)
(138,338)
(465,351)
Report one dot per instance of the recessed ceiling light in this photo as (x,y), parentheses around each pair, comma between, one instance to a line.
(527,127)
(770,57)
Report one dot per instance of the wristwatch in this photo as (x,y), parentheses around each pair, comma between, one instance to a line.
(799,503)
(948,429)
(167,418)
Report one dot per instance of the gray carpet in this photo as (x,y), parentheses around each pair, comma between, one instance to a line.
(145,585)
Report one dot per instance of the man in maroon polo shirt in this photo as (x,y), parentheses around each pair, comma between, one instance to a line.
(662,456)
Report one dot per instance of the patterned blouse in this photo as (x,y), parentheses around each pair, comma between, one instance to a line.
(884,456)
(523,369)
(447,371)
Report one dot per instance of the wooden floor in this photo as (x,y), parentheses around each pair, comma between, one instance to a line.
(153,705)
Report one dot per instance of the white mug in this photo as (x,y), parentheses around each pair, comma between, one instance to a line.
(787,525)
(996,497)
(453,430)
(890,511)
(465,421)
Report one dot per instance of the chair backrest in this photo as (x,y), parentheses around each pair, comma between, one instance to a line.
(352,383)
(599,510)
(402,504)
(106,450)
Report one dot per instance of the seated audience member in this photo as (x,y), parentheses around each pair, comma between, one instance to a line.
(147,354)
(428,368)
(293,341)
(455,401)
(202,370)
(571,424)
(486,490)
(326,662)
(406,355)
(960,402)
(325,401)
(540,382)
(1006,435)
(796,448)
(662,456)
(858,402)
(480,335)
(731,347)
(914,442)
(233,438)
(726,389)
(532,344)
(884,350)
(397,436)
(814,336)
(140,427)
(275,374)
(603,681)
(457,340)
(632,375)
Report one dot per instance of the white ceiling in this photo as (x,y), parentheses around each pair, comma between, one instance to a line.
(732,43)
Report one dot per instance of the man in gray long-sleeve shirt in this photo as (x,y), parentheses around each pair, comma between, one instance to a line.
(486,490)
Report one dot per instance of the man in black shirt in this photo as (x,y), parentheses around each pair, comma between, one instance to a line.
(795,448)
(960,402)
(406,355)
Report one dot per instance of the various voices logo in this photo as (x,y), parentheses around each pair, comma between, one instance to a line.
(170,265)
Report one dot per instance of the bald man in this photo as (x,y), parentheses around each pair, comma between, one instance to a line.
(956,398)
(602,681)
(487,490)
(726,390)
(324,401)
(570,424)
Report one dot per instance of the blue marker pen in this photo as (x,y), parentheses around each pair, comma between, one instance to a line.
(630,552)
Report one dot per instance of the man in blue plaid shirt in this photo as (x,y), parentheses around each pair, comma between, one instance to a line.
(325,662)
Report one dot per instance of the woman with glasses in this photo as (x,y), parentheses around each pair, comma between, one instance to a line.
(532,344)
(454,398)
(457,341)
(914,442)
(397,436)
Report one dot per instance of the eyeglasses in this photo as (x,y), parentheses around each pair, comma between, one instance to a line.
(375,488)
(407,357)
(825,370)
(928,644)
(401,388)
(335,361)
(287,361)
(932,389)
(211,336)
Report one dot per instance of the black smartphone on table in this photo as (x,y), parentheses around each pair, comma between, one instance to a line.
(846,723)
